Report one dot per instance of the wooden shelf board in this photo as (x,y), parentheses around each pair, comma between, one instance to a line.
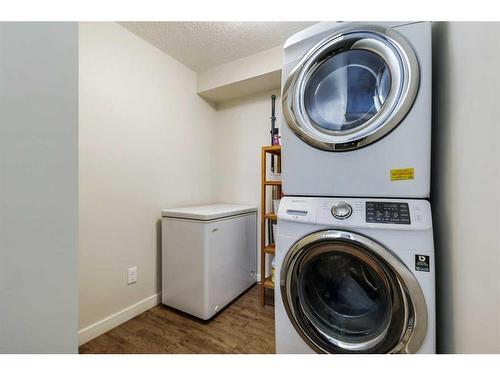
(268,283)
(270,249)
(272,149)
(272,182)
(271,216)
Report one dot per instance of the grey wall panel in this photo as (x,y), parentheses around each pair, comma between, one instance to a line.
(38,187)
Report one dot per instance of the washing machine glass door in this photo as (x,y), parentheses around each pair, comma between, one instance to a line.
(345,293)
(352,88)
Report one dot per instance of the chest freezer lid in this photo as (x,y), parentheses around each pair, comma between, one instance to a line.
(208,212)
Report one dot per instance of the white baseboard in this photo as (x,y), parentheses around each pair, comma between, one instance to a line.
(97,329)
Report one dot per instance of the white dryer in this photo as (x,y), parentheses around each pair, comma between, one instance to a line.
(357,104)
(355,275)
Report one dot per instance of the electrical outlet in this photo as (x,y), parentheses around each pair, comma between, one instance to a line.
(132,275)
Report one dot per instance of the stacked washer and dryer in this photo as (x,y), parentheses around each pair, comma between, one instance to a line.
(354,247)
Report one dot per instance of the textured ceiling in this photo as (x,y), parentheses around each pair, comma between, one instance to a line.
(202,45)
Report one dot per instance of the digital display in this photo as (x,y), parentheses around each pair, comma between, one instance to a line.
(387,213)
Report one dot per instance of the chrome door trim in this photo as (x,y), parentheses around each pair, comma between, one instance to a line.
(415,309)
(405,80)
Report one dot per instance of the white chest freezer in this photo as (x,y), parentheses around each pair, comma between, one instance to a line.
(209,256)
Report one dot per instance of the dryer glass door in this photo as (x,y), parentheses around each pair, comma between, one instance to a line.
(344,293)
(347,90)
(352,88)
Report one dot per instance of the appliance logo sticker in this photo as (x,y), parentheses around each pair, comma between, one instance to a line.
(422,263)
(402,174)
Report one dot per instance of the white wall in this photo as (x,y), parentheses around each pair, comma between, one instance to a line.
(466,194)
(247,76)
(38,187)
(242,128)
(146,143)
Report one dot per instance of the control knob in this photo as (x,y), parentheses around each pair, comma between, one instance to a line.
(341,210)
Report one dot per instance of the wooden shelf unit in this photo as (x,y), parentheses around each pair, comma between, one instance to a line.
(267,248)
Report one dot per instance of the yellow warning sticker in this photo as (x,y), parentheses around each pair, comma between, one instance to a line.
(402,174)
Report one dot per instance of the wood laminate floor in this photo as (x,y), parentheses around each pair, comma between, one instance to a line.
(245,326)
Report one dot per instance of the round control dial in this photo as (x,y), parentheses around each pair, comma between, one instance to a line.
(341,210)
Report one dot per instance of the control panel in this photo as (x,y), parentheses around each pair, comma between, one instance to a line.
(388,212)
(355,213)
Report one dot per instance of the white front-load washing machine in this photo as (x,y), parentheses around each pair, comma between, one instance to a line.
(355,275)
(357,107)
